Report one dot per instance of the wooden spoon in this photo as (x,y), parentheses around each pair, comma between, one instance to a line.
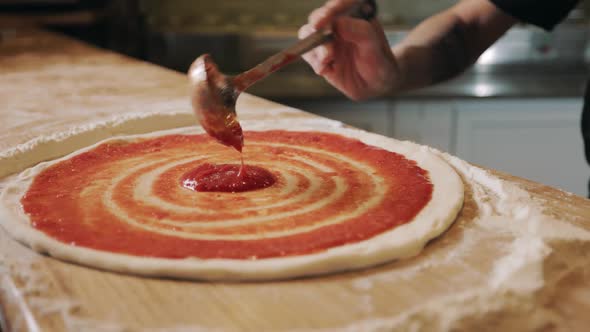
(214,94)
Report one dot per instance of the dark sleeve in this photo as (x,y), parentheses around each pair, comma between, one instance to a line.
(542,13)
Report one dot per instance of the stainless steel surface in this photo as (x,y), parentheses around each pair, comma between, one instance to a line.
(469,85)
(526,62)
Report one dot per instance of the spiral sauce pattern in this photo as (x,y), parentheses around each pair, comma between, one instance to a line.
(125,197)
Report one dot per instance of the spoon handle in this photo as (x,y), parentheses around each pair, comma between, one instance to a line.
(365,9)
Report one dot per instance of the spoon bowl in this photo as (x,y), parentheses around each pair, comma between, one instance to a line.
(213,97)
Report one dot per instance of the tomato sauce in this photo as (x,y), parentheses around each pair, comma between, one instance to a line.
(227,178)
(296,183)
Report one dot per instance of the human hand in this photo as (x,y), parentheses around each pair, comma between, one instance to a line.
(358,61)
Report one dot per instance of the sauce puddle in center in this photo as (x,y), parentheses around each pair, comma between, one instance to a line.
(227,178)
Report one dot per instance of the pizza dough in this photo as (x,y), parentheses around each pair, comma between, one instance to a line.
(270,218)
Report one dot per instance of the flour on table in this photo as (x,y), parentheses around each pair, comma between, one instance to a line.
(514,280)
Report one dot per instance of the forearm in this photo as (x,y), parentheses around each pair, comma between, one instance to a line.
(433,52)
(446,44)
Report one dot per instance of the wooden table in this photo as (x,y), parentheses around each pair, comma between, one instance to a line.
(49,83)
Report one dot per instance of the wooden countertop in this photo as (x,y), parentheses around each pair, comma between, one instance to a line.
(49,83)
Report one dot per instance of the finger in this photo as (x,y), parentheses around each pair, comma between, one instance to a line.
(322,17)
(319,57)
(326,53)
(305,31)
(312,60)
(310,57)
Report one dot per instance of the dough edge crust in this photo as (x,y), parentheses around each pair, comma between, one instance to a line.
(402,242)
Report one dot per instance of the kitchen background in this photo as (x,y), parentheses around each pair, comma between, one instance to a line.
(517,110)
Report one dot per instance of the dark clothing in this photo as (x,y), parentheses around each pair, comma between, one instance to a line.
(586,127)
(546,14)
(586,123)
(542,13)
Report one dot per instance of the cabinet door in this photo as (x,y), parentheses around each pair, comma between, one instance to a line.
(537,139)
(370,116)
(429,122)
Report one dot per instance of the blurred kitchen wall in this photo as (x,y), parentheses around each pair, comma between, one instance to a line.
(170,33)
(174,31)
(232,15)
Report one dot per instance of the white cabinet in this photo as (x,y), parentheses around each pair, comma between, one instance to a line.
(536,139)
(427,122)
(373,116)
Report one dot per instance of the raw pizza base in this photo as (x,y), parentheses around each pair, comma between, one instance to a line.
(403,241)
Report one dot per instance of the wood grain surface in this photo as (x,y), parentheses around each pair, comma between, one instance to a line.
(49,83)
